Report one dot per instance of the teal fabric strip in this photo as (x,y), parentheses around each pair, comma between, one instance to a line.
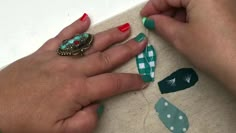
(146,63)
(172,117)
(179,80)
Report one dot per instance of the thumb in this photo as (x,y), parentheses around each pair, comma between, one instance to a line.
(169,28)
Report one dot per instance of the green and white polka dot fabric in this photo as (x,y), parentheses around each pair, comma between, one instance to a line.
(146,63)
(172,117)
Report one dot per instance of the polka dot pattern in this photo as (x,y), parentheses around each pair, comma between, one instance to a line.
(166,103)
(172,117)
(181,117)
(168,116)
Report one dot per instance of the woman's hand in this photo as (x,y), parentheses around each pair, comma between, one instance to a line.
(202,30)
(48,93)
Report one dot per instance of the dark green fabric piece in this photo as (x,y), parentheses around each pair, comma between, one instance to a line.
(181,79)
(173,118)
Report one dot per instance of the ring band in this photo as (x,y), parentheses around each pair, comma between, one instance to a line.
(76,46)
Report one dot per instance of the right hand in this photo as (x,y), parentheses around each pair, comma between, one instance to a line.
(202,30)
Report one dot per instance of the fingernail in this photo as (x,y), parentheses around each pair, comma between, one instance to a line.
(100,110)
(146,78)
(124,27)
(140,37)
(149,23)
(84,17)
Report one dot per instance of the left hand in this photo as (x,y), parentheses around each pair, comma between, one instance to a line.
(48,93)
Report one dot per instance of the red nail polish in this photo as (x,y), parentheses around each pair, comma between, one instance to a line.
(124,27)
(84,17)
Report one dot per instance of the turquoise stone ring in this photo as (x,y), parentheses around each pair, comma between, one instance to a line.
(76,45)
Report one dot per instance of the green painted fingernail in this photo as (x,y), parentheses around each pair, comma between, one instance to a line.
(100,110)
(144,19)
(140,37)
(149,23)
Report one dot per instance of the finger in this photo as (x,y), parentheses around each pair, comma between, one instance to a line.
(77,27)
(149,9)
(158,6)
(110,59)
(172,30)
(169,13)
(105,39)
(84,121)
(110,84)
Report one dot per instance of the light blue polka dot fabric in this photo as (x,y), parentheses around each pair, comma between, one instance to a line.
(172,117)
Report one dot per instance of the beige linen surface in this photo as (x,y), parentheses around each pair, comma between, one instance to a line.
(209,107)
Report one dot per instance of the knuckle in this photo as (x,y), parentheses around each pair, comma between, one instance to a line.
(179,41)
(60,65)
(64,33)
(129,50)
(75,88)
(73,83)
(69,86)
(111,36)
(105,59)
(52,41)
(48,44)
(116,82)
(172,35)
(57,65)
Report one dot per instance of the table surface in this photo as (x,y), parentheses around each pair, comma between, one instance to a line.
(25,25)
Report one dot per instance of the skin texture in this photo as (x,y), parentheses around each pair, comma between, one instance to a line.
(48,93)
(204,31)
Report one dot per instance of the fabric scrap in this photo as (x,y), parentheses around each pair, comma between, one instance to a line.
(179,80)
(146,63)
(173,118)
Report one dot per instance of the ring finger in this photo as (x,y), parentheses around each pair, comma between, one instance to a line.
(102,40)
(105,39)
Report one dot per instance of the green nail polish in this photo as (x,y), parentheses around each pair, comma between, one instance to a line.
(144,19)
(147,78)
(140,37)
(149,23)
(100,110)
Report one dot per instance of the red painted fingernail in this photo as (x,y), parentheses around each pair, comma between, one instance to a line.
(124,27)
(84,17)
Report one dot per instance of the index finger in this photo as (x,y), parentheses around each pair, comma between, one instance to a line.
(110,84)
(159,6)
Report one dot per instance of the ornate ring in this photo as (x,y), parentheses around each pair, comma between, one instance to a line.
(76,45)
